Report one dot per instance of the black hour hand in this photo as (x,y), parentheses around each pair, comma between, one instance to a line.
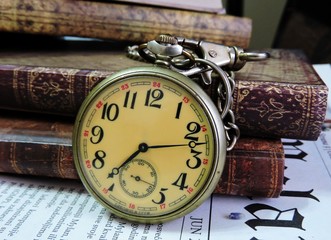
(143,147)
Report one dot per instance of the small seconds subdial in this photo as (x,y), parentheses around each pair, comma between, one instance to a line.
(138,178)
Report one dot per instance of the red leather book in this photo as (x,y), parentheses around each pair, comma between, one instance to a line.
(282,97)
(41,147)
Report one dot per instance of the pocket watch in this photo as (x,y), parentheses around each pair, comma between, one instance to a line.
(149,143)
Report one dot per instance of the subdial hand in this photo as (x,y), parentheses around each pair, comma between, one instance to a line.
(138,179)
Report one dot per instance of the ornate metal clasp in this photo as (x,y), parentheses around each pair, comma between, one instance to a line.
(181,54)
(229,58)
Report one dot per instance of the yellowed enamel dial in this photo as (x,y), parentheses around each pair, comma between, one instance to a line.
(149,144)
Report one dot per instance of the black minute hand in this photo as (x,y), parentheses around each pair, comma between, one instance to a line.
(191,143)
(167,146)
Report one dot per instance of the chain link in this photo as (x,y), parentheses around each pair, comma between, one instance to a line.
(225,88)
(190,57)
(232,130)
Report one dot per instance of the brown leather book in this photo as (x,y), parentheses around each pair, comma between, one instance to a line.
(42,147)
(282,97)
(129,22)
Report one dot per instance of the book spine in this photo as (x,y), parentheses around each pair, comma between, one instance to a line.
(115,21)
(255,167)
(37,159)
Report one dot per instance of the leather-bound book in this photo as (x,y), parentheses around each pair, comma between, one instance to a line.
(34,145)
(253,168)
(115,21)
(282,97)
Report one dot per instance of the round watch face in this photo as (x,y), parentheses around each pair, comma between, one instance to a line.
(149,144)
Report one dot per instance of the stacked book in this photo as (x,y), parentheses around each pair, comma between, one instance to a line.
(41,91)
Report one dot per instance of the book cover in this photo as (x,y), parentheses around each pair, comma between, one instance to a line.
(35,145)
(126,22)
(282,97)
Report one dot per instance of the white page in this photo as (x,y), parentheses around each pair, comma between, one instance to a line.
(304,175)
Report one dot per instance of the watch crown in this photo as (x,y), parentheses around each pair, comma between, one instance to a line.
(166,39)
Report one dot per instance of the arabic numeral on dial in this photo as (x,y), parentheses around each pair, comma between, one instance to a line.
(105,190)
(179,109)
(150,189)
(98,162)
(162,197)
(156,84)
(190,190)
(110,112)
(152,97)
(193,128)
(124,86)
(127,100)
(97,133)
(132,206)
(135,193)
(124,183)
(88,163)
(198,160)
(180,182)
